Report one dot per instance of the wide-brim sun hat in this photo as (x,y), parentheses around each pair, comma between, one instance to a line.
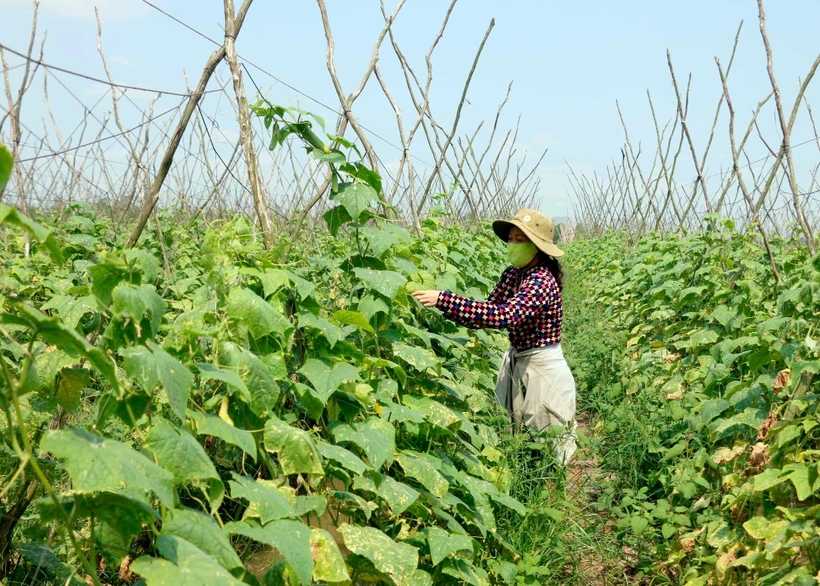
(538,227)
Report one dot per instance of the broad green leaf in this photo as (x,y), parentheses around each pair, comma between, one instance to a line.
(442,543)
(6,166)
(763,528)
(768,478)
(703,338)
(267,503)
(335,218)
(179,452)
(334,157)
(9,215)
(508,502)
(376,437)
(433,411)
(721,536)
(70,384)
(507,571)
(723,315)
(387,283)
(347,317)
(329,565)
(53,331)
(273,280)
(358,170)
(295,448)
(344,457)
(331,331)
(151,365)
(260,375)
(304,287)
(400,231)
(202,531)
(97,464)
(805,479)
(355,197)
(418,358)
(750,417)
(639,524)
(397,495)
(120,519)
(147,263)
(134,302)
(184,565)
(71,309)
(397,560)
(292,539)
(107,274)
(326,380)
(217,427)
(423,468)
(231,377)
(370,305)
(378,241)
(259,316)
(466,572)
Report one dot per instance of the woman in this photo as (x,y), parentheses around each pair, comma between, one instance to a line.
(534,382)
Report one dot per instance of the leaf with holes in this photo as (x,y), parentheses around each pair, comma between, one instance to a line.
(259,316)
(387,283)
(376,437)
(295,448)
(397,560)
(95,464)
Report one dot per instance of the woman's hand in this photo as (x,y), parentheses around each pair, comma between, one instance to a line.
(426,298)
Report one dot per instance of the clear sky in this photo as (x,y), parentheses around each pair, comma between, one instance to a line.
(569,62)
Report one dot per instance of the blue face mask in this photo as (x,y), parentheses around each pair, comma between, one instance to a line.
(520,255)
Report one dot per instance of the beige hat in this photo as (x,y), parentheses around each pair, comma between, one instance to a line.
(537,226)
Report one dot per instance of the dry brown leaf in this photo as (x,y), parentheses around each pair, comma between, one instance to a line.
(724,561)
(674,396)
(782,380)
(767,426)
(759,457)
(125,569)
(723,455)
(672,357)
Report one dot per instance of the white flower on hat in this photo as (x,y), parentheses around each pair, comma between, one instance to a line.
(526,218)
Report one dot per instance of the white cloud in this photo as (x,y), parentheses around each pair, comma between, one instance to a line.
(109,9)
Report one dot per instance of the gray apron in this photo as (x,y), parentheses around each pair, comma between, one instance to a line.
(538,389)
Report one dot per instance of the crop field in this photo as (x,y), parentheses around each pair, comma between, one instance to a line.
(194,412)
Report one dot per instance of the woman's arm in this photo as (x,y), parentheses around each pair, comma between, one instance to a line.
(534,293)
(503,288)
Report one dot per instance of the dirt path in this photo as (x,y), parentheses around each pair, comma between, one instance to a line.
(603,562)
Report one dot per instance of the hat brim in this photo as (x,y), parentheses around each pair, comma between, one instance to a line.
(502,230)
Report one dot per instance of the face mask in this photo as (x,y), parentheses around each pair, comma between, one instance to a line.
(520,255)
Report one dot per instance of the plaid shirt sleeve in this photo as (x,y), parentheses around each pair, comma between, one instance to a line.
(503,288)
(534,294)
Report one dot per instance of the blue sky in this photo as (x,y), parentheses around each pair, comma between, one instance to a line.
(569,62)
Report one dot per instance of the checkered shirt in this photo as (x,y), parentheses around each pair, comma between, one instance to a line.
(527,302)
